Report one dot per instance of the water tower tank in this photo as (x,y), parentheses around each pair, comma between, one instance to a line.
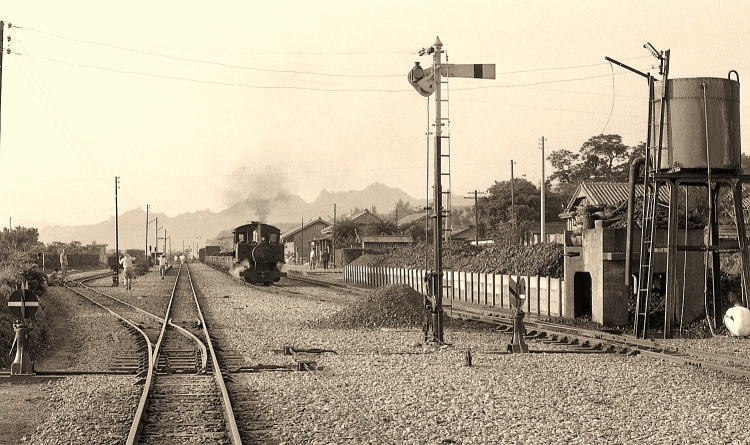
(684,138)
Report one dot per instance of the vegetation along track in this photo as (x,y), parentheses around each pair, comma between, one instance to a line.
(184,399)
(582,340)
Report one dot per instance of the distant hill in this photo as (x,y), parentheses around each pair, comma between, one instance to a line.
(285,212)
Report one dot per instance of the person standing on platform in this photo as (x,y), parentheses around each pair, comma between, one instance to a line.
(128,272)
(312,259)
(326,258)
(162,266)
(63,265)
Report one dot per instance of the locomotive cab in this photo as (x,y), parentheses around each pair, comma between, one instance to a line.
(257,246)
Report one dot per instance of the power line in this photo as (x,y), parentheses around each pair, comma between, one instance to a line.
(290,87)
(270,70)
(542,82)
(204,81)
(205,61)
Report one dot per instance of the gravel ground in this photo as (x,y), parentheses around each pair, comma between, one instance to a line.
(82,335)
(734,346)
(82,411)
(149,292)
(377,390)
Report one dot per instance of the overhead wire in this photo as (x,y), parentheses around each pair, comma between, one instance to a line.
(272,70)
(612,108)
(49,104)
(288,87)
(205,61)
(48,101)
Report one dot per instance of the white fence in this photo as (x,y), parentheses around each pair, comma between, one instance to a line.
(544,295)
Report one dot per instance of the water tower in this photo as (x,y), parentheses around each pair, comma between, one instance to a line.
(693,139)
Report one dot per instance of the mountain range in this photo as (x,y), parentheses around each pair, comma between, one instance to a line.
(285,211)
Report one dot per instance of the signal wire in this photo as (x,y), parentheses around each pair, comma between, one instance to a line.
(204,61)
(290,87)
(313,73)
(209,82)
(612,108)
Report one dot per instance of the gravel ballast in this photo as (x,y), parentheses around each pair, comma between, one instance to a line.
(87,410)
(382,388)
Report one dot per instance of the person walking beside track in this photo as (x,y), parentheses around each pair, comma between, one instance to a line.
(128,273)
(162,266)
(63,265)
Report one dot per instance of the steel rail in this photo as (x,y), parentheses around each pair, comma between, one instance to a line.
(180,329)
(151,361)
(137,425)
(647,347)
(234,432)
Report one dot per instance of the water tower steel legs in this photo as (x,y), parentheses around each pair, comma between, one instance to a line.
(739,215)
(714,248)
(670,296)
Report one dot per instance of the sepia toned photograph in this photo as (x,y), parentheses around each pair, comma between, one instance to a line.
(348,222)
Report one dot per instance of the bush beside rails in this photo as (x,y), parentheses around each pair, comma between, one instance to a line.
(545,259)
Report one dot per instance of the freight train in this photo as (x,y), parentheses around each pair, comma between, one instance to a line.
(257,254)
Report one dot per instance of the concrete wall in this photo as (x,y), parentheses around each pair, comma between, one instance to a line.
(602,255)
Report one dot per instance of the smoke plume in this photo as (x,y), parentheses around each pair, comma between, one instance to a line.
(259,189)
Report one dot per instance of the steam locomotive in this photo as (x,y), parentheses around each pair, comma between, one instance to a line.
(258,253)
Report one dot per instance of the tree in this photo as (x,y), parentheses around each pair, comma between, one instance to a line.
(402,208)
(20,239)
(345,234)
(384,228)
(601,158)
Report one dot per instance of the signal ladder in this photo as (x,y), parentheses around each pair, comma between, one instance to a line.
(445,162)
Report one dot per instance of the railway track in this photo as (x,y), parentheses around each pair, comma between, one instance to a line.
(586,339)
(184,398)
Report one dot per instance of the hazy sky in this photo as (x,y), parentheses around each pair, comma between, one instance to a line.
(68,130)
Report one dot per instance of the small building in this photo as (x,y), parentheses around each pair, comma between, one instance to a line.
(101,250)
(469,234)
(595,262)
(297,242)
(410,220)
(384,242)
(554,232)
(364,220)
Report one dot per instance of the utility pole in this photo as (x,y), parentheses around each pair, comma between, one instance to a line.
(512,199)
(302,242)
(145,246)
(543,209)
(156,235)
(116,279)
(476,214)
(333,237)
(2,50)
(165,243)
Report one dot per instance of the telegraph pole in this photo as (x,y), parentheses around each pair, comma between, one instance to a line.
(512,199)
(165,243)
(145,246)
(116,279)
(302,242)
(543,209)
(2,50)
(476,214)
(333,237)
(156,235)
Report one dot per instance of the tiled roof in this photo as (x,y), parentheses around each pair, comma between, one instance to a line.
(610,193)
(292,232)
(411,219)
(386,239)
